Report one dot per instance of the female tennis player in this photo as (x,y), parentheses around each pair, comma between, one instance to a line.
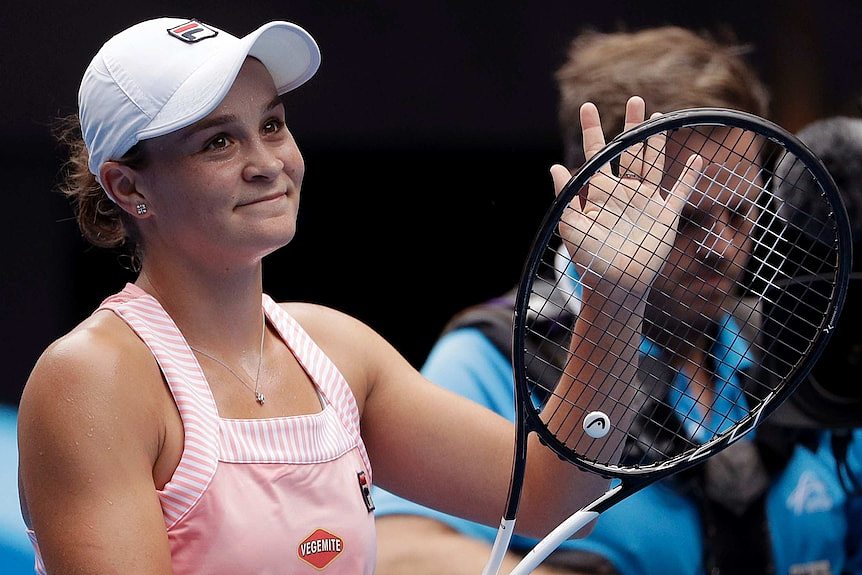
(193,425)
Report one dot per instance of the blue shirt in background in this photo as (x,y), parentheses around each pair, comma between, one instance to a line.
(16,552)
(657,530)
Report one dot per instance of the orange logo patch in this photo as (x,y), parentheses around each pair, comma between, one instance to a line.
(320,548)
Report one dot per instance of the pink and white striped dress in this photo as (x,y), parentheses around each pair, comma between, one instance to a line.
(261,496)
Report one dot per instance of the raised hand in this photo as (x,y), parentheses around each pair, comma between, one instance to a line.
(621,228)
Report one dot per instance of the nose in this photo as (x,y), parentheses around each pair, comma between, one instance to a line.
(719,239)
(262,162)
(715,240)
(725,231)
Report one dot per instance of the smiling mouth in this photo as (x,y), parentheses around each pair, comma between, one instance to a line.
(264,199)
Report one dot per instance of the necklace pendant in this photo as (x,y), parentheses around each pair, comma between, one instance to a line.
(261,399)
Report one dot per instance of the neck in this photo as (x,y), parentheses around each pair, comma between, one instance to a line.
(216,312)
(683,338)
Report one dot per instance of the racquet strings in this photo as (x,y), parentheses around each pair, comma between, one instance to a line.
(720,309)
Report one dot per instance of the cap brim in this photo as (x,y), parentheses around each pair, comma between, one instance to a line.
(289,53)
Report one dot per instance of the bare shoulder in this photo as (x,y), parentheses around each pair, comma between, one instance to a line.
(99,355)
(360,353)
(90,428)
(98,377)
(340,335)
(324,323)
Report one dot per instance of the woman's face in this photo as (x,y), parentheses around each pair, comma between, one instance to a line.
(225,189)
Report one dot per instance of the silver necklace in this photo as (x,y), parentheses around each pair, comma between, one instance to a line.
(258,395)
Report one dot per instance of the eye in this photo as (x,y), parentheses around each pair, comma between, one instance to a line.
(737,217)
(219,142)
(745,213)
(273,126)
(693,218)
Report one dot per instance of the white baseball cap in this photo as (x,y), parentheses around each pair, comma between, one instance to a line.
(165,74)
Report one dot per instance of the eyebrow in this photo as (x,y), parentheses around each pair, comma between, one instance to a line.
(224,119)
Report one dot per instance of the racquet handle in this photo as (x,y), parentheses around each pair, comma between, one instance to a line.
(501,545)
(553,540)
(562,532)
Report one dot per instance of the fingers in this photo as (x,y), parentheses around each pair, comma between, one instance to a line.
(591,129)
(561,176)
(653,156)
(686,182)
(631,159)
(635,112)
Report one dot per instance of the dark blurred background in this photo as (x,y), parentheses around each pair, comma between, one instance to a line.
(427,132)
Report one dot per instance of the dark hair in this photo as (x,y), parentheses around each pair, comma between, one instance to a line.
(829,397)
(670,67)
(100,220)
(837,141)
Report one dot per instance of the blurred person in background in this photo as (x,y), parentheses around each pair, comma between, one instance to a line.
(706,520)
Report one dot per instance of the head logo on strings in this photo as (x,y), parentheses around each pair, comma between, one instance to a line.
(597,424)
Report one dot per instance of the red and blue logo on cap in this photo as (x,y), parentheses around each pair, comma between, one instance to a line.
(192,31)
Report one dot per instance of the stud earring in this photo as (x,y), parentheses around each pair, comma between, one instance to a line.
(142,209)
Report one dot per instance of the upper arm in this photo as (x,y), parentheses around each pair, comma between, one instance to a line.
(468,363)
(425,442)
(88,438)
(437,448)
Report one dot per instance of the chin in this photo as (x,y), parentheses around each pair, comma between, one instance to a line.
(680,307)
(284,237)
(266,241)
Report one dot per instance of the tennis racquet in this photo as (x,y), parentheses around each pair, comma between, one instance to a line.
(745,294)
